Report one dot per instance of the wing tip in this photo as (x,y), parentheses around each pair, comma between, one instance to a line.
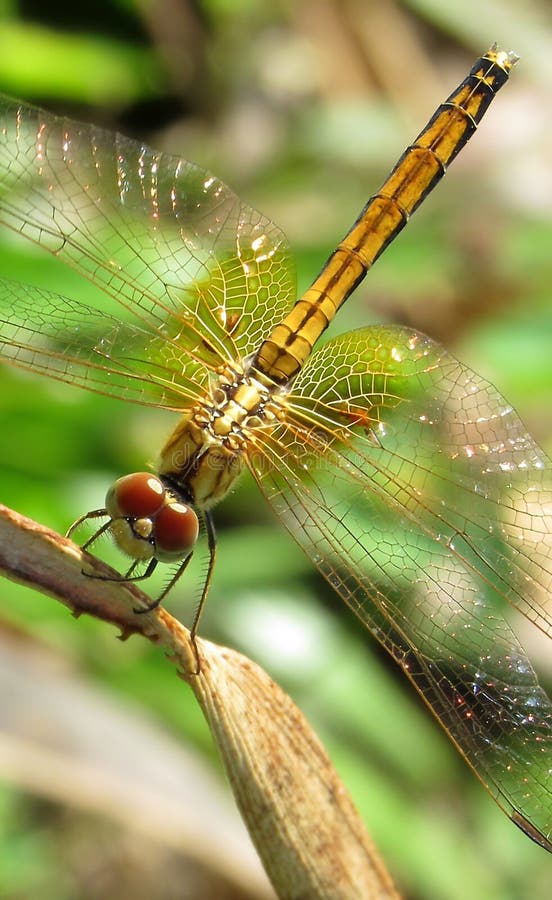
(531,831)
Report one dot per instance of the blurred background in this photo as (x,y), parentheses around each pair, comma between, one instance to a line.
(109,784)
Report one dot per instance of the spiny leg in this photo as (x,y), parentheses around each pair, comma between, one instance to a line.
(129,577)
(212,543)
(150,568)
(94,514)
(155,603)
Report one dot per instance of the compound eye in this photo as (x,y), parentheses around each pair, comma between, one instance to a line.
(140,495)
(176,529)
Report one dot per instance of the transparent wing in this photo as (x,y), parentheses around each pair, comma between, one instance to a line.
(415,489)
(72,342)
(162,237)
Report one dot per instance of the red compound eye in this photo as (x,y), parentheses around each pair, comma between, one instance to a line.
(140,495)
(176,529)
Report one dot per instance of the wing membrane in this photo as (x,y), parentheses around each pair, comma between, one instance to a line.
(447,448)
(416,491)
(162,237)
(69,341)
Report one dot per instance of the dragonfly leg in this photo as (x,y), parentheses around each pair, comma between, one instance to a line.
(95,514)
(128,576)
(155,603)
(151,566)
(212,543)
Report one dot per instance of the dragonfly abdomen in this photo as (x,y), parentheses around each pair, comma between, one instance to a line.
(419,169)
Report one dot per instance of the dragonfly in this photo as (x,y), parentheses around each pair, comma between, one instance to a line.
(408,480)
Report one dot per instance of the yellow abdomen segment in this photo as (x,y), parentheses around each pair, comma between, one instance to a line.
(417,172)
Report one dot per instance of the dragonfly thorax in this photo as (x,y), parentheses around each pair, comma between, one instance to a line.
(206,452)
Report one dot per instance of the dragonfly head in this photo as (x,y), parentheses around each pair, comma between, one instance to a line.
(148,520)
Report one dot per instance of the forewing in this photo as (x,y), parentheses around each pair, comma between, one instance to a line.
(415,489)
(165,239)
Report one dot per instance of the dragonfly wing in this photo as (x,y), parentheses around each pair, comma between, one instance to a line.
(69,341)
(445,448)
(161,236)
(416,491)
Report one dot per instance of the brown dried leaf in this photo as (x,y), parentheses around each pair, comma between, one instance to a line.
(299,815)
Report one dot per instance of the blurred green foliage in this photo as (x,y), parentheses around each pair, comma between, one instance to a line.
(247,92)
